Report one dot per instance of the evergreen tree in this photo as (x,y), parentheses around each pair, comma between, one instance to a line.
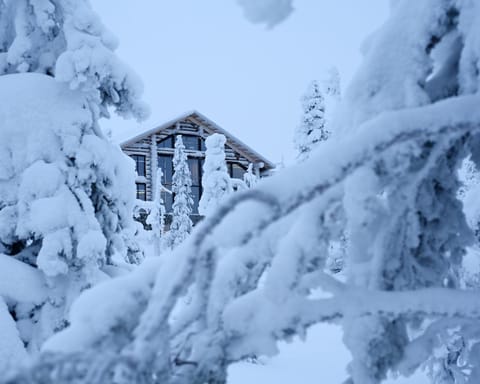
(312,128)
(182,189)
(67,193)
(66,39)
(331,84)
(216,180)
(250,178)
(332,93)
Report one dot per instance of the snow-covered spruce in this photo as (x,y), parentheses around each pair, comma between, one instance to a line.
(254,262)
(66,194)
(312,129)
(183,202)
(66,199)
(66,39)
(332,93)
(250,178)
(216,181)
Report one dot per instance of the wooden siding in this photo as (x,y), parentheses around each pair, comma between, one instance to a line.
(186,127)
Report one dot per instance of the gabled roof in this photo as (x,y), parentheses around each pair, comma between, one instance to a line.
(211,127)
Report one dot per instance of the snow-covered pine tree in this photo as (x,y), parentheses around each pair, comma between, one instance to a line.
(66,193)
(66,39)
(250,178)
(331,84)
(156,217)
(332,92)
(182,204)
(312,128)
(216,182)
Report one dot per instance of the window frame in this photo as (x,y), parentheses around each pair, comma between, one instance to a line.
(139,191)
(136,157)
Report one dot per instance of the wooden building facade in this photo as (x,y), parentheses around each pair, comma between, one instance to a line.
(154,148)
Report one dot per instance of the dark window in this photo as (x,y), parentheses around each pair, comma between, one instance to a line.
(167,200)
(196,198)
(139,164)
(142,191)
(195,166)
(195,170)
(191,142)
(165,162)
(236,171)
(166,143)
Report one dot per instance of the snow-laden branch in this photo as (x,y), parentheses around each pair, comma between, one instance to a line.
(245,322)
(269,12)
(231,311)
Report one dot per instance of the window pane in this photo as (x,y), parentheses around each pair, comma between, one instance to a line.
(139,164)
(196,199)
(165,162)
(141,191)
(237,171)
(167,201)
(191,142)
(166,143)
(194,165)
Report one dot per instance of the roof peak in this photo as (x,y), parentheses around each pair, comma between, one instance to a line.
(210,125)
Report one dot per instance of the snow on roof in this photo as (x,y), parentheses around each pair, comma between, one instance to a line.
(210,126)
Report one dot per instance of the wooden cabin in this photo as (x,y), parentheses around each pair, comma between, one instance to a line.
(154,148)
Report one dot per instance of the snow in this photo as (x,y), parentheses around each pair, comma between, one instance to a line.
(270,12)
(66,39)
(321,357)
(216,182)
(121,296)
(20,282)
(56,173)
(12,351)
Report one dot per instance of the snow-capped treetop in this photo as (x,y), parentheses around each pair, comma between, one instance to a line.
(216,180)
(66,39)
(312,128)
(250,178)
(183,202)
(331,83)
(269,12)
(403,80)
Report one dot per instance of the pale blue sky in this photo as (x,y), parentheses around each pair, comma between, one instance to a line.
(204,55)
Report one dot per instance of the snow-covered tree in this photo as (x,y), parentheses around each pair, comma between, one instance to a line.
(252,265)
(250,178)
(312,128)
(332,92)
(183,202)
(216,181)
(66,193)
(156,217)
(331,84)
(66,39)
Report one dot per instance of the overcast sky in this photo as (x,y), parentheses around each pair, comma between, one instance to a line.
(204,55)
